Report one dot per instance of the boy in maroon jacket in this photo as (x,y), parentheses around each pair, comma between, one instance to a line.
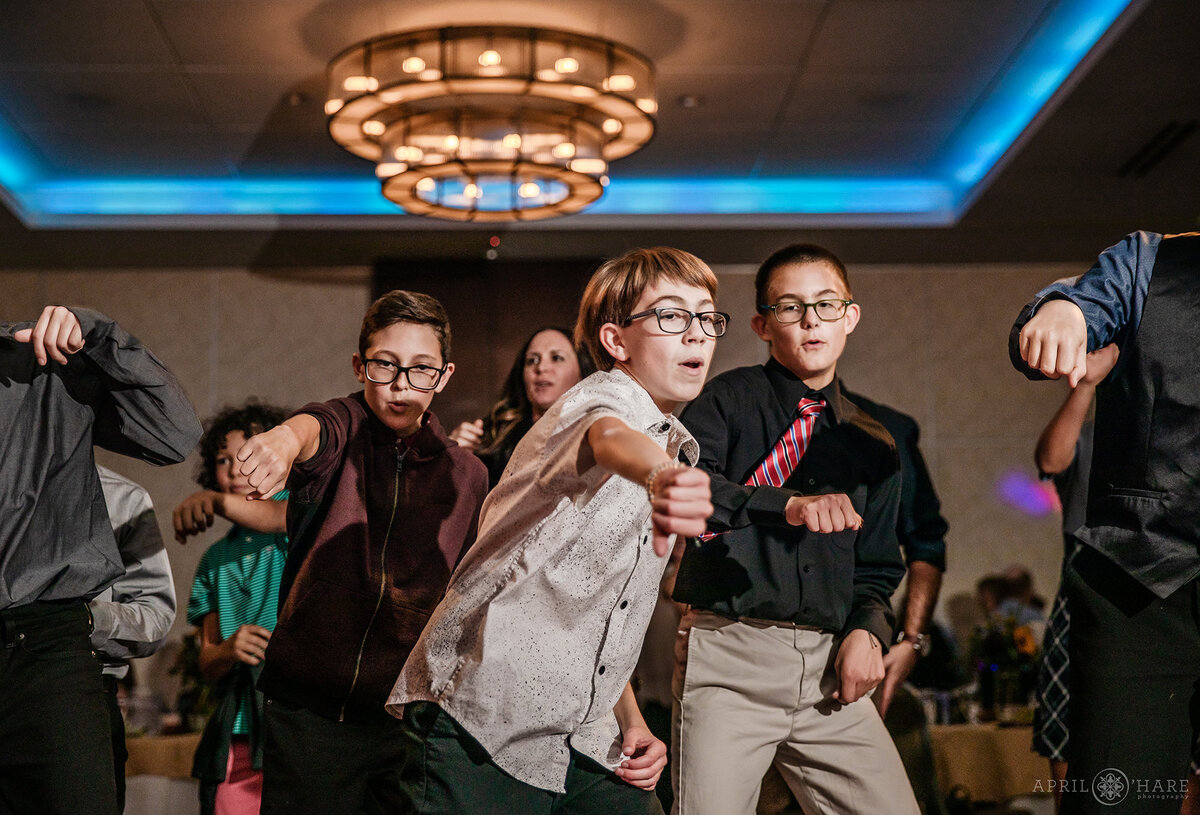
(382,506)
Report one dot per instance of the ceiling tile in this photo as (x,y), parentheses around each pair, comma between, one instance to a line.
(75,32)
(880,97)
(896,150)
(106,153)
(299,34)
(266,99)
(96,98)
(922,33)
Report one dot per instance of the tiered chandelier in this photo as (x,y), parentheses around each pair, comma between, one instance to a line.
(491,123)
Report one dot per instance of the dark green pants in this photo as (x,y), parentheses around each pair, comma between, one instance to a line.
(449,773)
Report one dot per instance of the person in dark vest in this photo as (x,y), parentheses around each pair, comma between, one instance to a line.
(1132,589)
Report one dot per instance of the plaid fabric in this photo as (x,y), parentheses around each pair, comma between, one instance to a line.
(1053,694)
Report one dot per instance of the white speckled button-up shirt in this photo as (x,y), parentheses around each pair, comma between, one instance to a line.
(543,620)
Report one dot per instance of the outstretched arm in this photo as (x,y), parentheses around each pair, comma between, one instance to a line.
(266,458)
(679,494)
(196,513)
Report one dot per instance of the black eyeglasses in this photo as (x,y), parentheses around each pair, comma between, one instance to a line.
(420,377)
(679,320)
(793,311)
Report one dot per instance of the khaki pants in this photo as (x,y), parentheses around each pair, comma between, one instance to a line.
(756,694)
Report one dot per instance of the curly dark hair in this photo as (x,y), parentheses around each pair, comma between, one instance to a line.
(513,411)
(250,418)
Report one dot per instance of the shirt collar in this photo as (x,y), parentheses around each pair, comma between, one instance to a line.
(790,389)
(651,421)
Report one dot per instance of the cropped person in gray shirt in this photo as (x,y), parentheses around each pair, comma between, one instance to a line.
(130,618)
(72,379)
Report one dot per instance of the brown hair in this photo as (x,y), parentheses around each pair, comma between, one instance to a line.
(795,255)
(514,409)
(616,286)
(399,306)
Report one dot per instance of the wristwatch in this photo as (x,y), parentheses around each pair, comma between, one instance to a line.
(919,642)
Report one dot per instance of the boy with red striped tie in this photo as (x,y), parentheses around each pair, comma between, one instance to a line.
(789,591)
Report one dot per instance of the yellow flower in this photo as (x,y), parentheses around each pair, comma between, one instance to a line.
(1024,640)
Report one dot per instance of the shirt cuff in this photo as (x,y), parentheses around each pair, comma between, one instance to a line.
(103,621)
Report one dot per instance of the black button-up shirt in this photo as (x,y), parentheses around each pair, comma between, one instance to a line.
(761,566)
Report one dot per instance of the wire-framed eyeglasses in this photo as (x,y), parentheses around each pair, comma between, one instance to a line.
(420,377)
(678,320)
(793,311)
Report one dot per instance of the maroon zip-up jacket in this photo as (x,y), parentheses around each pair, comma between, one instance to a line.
(376,525)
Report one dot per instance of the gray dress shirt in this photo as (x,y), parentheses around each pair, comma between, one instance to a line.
(543,620)
(132,616)
(56,542)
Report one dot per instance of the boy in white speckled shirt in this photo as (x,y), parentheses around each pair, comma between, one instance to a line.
(517,694)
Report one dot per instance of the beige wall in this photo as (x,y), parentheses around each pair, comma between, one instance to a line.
(932,342)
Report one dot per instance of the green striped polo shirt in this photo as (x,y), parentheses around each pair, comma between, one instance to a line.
(238,578)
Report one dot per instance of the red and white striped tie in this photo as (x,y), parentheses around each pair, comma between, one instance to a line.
(787,452)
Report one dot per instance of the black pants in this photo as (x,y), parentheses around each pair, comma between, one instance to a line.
(451,774)
(316,765)
(55,749)
(116,724)
(1135,665)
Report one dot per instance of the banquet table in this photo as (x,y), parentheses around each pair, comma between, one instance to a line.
(992,762)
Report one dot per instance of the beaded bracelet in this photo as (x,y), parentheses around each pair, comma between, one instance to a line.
(658,469)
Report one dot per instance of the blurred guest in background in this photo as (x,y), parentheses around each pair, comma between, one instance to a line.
(547,366)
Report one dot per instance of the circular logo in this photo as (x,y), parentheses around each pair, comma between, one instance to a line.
(1110,787)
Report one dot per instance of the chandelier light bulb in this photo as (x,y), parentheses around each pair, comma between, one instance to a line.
(333,105)
(489,58)
(589,166)
(619,83)
(472,191)
(373,127)
(647,106)
(426,184)
(387,169)
(529,190)
(563,150)
(611,126)
(511,141)
(357,84)
(412,65)
(566,65)
(450,143)
(430,75)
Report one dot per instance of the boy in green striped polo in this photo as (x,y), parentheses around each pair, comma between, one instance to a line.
(234,601)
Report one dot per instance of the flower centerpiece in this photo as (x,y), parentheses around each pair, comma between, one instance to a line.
(1005,657)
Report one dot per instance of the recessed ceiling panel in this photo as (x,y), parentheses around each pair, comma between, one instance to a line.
(857,109)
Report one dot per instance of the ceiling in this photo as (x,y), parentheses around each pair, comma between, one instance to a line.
(191,132)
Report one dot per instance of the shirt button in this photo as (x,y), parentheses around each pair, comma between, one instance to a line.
(624,604)
(806,569)
(601,670)
(812,481)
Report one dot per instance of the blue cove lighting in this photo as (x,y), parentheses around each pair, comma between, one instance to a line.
(1068,31)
